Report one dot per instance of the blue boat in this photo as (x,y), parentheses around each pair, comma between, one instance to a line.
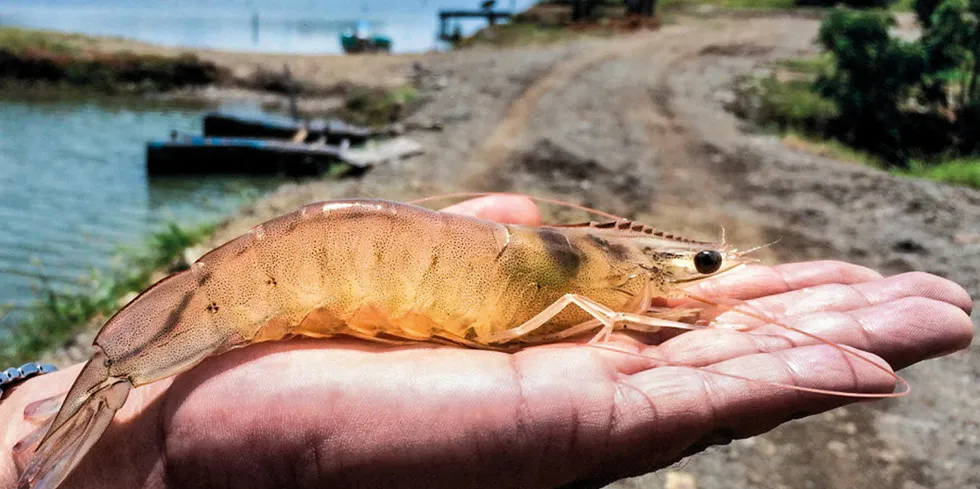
(197,155)
(361,39)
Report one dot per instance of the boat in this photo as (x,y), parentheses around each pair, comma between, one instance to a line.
(266,126)
(360,39)
(194,155)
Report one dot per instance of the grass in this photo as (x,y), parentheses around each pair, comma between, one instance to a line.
(794,104)
(902,6)
(57,315)
(378,107)
(830,148)
(785,102)
(963,171)
(790,105)
(19,41)
(809,67)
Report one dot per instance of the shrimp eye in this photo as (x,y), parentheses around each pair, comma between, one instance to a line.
(708,261)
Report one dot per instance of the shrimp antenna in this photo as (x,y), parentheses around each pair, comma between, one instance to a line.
(906,388)
(757,248)
(814,390)
(468,195)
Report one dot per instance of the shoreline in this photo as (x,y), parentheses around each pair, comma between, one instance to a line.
(36,62)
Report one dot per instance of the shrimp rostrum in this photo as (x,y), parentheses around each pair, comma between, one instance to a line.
(379,271)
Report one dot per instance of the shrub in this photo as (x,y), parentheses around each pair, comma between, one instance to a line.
(924,10)
(873,75)
(964,172)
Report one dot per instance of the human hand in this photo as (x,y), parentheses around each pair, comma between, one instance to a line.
(314,413)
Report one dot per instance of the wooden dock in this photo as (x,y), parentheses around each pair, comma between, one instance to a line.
(445,16)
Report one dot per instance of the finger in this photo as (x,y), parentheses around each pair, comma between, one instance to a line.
(38,411)
(754,281)
(903,332)
(846,297)
(692,408)
(507,209)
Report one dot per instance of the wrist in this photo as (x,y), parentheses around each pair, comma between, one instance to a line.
(14,426)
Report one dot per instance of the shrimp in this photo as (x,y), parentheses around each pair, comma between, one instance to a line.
(386,272)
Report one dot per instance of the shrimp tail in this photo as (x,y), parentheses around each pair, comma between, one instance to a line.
(85,414)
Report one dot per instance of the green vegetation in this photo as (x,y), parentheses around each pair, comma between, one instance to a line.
(810,67)
(912,107)
(902,6)
(58,315)
(964,172)
(830,149)
(29,57)
(376,106)
(873,74)
(19,41)
(784,105)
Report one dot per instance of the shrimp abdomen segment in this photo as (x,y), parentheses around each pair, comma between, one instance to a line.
(358,266)
(165,330)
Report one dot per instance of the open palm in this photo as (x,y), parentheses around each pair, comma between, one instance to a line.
(310,413)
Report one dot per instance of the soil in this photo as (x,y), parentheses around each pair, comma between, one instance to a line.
(636,126)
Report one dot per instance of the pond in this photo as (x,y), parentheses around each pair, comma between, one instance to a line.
(74,189)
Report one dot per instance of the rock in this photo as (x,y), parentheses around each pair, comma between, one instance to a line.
(725,97)
(909,246)
(679,480)
(836,447)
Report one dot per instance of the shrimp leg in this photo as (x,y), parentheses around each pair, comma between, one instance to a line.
(607,317)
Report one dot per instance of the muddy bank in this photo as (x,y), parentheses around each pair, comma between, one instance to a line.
(119,73)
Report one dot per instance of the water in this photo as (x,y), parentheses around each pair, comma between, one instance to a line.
(73,185)
(74,189)
(287,26)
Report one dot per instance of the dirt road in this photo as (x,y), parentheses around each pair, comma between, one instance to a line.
(636,126)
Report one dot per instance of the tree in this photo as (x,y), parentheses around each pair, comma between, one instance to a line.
(924,10)
(952,52)
(640,7)
(952,47)
(582,9)
(873,77)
